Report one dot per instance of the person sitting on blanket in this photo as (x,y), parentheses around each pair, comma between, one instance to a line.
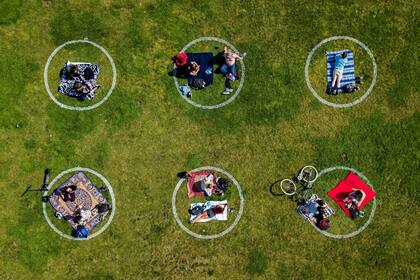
(85,89)
(212,184)
(68,193)
(180,60)
(210,213)
(353,201)
(74,72)
(228,69)
(193,68)
(340,62)
(207,184)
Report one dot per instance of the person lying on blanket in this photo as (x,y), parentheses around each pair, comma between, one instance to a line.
(210,213)
(229,69)
(353,201)
(340,62)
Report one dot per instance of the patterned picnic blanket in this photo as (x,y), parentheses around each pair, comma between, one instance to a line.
(88,72)
(87,197)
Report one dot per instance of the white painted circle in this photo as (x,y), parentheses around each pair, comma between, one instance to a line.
(104,180)
(213,236)
(241,83)
(372,212)
(341,105)
(76,108)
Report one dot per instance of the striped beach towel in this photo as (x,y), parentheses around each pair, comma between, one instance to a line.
(348,73)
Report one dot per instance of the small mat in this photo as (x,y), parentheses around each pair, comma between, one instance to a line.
(205,60)
(194,181)
(342,190)
(87,197)
(67,82)
(306,211)
(209,205)
(348,72)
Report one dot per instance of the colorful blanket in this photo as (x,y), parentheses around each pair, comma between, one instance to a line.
(88,72)
(209,205)
(194,181)
(348,73)
(309,208)
(345,186)
(87,197)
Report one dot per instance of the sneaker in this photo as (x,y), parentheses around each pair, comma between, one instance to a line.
(226,92)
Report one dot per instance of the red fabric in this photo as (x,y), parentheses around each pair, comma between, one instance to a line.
(342,190)
(218,209)
(181,59)
(192,183)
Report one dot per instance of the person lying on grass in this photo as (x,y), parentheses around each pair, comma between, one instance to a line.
(228,69)
(353,202)
(340,62)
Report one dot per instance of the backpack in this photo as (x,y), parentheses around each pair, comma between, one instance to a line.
(354,212)
(198,83)
(196,210)
(81,232)
(222,185)
(350,88)
(324,224)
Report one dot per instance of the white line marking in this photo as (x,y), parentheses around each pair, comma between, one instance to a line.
(372,212)
(113,204)
(241,83)
(230,228)
(76,108)
(341,105)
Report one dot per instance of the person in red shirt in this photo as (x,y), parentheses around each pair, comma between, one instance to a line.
(180,60)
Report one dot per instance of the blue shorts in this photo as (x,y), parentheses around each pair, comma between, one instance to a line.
(225,69)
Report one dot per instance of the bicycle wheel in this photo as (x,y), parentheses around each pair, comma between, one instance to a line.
(288,187)
(308,175)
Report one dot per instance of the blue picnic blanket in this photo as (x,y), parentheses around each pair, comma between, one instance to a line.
(348,73)
(205,60)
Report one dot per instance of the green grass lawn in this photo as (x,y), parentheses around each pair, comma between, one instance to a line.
(145,133)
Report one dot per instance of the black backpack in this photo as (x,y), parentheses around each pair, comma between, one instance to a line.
(222,185)
(196,210)
(198,83)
